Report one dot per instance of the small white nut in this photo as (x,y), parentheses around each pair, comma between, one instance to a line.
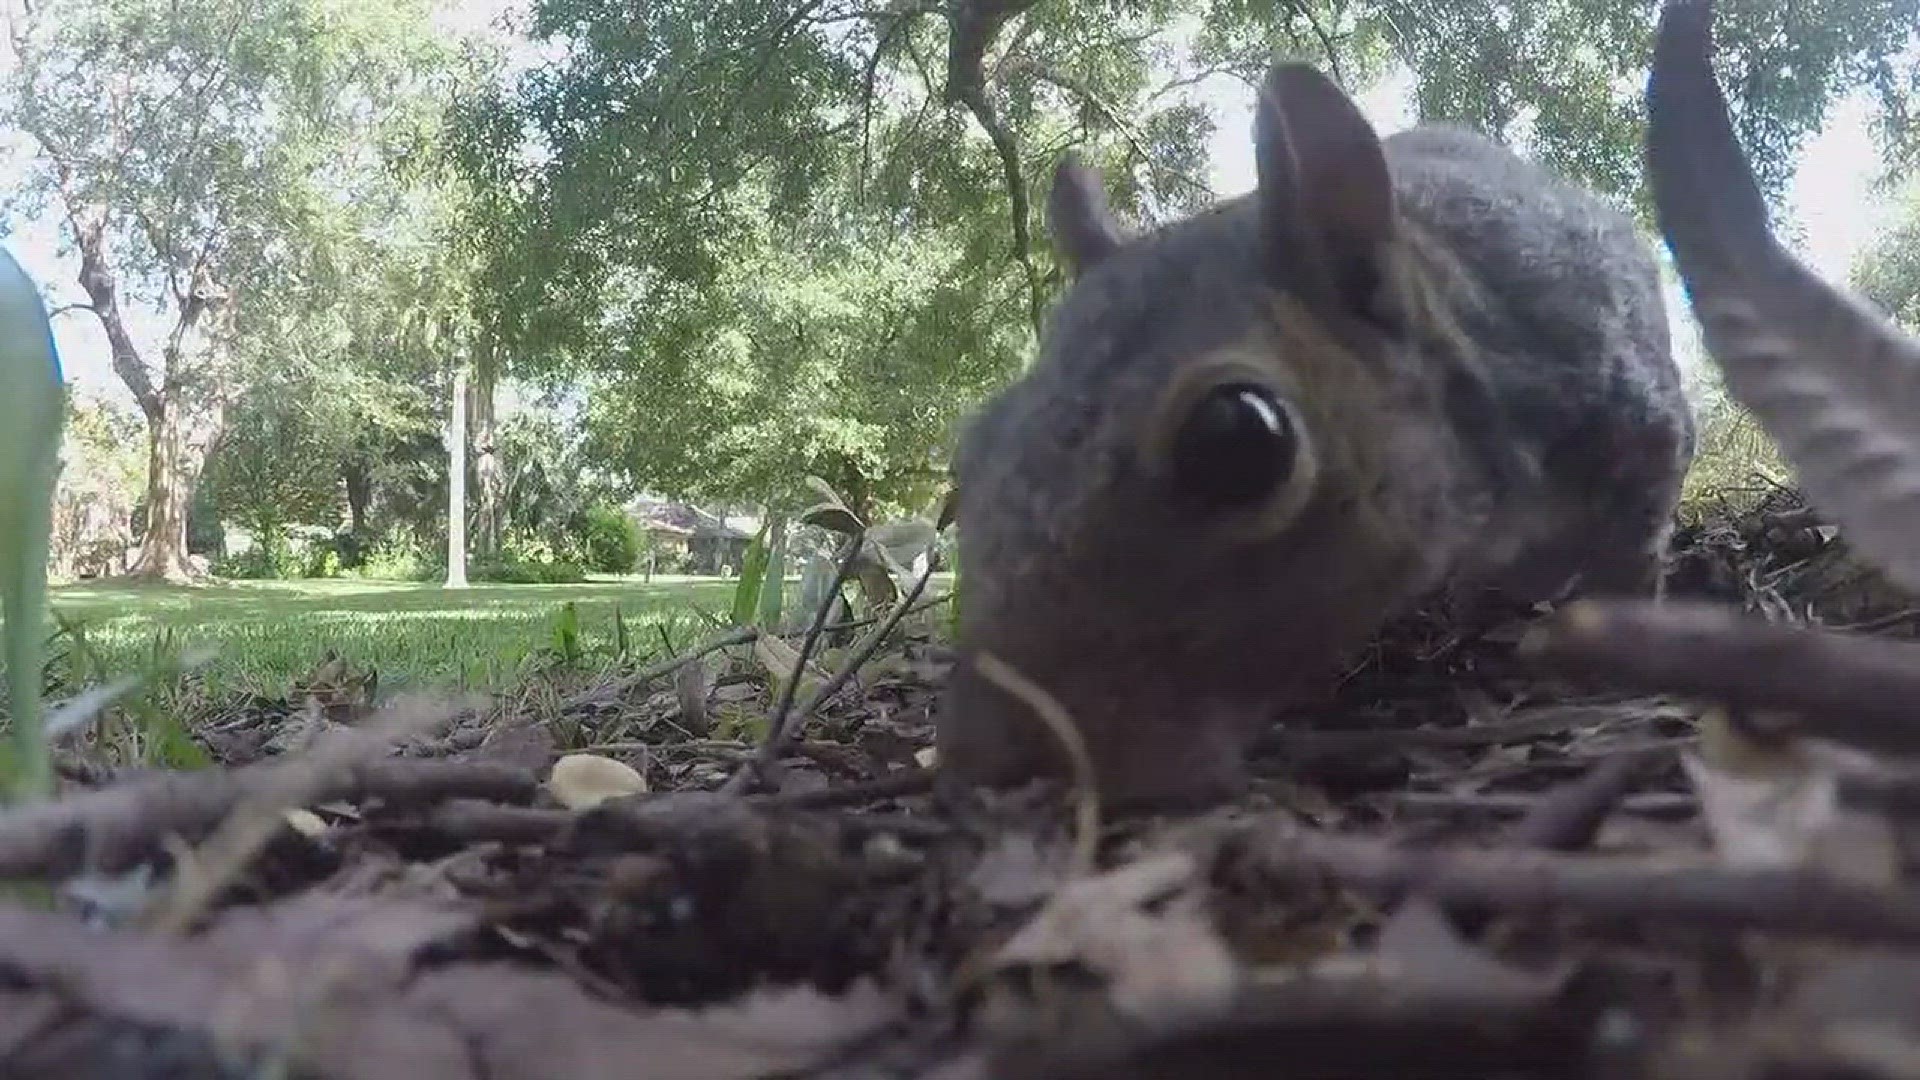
(580,781)
(926,756)
(306,823)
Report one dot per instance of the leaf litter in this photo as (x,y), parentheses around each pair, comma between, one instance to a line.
(1484,868)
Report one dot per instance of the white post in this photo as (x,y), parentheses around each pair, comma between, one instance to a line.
(457,485)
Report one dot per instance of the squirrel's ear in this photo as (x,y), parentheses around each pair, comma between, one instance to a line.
(1326,199)
(1083,228)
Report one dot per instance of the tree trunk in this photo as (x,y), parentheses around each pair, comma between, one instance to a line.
(359,480)
(487,474)
(184,414)
(178,443)
(457,485)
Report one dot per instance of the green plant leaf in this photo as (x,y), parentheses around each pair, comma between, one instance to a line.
(833,517)
(753,568)
(32,410)
(773,583)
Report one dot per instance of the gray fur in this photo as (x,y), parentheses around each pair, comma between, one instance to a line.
(1546,440)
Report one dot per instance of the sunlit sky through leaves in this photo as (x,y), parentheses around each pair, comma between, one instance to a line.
(1832,204)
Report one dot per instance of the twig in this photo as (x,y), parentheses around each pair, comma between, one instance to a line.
(1353,1026)
(1521,729)
(1849,688)
(855,624)
(782,712)
(1526,807)
(1568,818)
(1054,715)
(468,821)
(737,636)
(1612,888)
(1884,622)
(298,781)
(115,827)
(912,781)
(777,743)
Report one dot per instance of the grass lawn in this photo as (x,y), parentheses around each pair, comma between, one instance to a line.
(270,632)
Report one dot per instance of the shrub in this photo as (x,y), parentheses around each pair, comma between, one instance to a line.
(400,555)
(515,570)
(322,561)
(253,564)
(608,539)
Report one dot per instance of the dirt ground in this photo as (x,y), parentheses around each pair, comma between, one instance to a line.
(1618,842)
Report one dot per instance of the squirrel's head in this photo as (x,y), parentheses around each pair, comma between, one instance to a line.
(1229,461)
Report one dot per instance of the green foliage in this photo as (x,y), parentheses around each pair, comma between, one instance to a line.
(32,408)
(830,251)
(1735,460)
(852,363)
(271,558)
(280,464)
(608,539)
(566,635)
(1888,272)
(264,635)
(401,555)
(1567,77)
(512,569)
(753,574)
(773,577)
(103,467)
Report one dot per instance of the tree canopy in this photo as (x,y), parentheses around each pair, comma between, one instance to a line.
(743,242)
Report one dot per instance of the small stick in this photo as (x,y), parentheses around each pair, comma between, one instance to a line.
(1854,689)
(1054,715)
(855,624)
(737,636)
(1614,888)
(1531,808)
(911,781)
(777,725)
(255,819)
(777,743)
(113,827)
(1569,817)
(469,821)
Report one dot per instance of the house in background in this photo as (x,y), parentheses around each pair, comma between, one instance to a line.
(684,538)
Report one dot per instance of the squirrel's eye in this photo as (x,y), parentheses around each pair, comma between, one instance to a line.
(1234,448)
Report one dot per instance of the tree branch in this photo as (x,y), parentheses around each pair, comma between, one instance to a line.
(1085,93)
(974,24)
(1326,39)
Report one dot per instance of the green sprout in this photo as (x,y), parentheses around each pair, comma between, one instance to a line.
(31,414)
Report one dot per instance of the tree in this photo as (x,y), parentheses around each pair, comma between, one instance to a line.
(197,153)
(1888,272)
(706,288)
(279,464)
(1567,78)
(99,479)
(847,361)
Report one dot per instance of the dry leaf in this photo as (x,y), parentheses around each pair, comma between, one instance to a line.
(1778,806)
(778,657)
(1422,945)
(1143,930)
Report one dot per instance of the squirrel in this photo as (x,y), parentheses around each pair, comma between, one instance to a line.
(1398,368)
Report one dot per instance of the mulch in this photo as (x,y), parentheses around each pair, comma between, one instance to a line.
(1610,840)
